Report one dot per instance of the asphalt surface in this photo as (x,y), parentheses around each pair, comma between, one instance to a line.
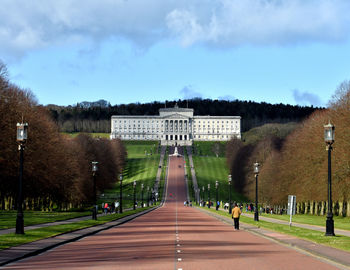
(174,237)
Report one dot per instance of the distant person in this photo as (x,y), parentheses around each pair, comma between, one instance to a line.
(116,205)
(226,206)
(106,208)
(217,205)
(236,213)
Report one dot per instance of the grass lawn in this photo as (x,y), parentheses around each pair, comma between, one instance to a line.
(210,169)
(94,135)
(142,165)
(10,240)
(339,242)
(8,218)
(206,148)
(339,222)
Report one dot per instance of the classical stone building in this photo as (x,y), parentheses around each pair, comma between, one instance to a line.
(175,126)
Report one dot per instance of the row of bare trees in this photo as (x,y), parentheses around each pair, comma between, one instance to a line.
(57,168)
(297,164)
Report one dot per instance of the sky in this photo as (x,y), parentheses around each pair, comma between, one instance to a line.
(125,51)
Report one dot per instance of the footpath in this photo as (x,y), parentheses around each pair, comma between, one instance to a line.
(339,257)
(193,173)
(159,171)
(300,225)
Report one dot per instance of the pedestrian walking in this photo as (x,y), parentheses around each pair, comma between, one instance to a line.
(106,208)
(116,205)
(236,213)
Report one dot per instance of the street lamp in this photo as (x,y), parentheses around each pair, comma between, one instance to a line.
(217,194)
(147,196)
(121,194)
(22,136)
(256,172)
(134,185)
(229,194)
(203,195)
(199,196)
(94,170)
(329,140)
(208,195)
(142,195)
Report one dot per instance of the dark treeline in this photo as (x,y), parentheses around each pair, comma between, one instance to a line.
(95,116)
(57,168)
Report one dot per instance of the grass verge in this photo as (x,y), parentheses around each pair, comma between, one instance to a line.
(339,222)
(210,169)
(11,240)
(142,165)
(8,218)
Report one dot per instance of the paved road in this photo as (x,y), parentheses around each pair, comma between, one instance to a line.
(173,237)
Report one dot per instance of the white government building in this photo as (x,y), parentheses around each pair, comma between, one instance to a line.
(175,126)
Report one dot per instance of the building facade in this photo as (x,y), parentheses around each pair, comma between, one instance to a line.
(175,126)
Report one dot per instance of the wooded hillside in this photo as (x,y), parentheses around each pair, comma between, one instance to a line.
(95,116)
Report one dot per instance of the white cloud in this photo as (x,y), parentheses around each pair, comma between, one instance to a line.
(31,25)
(227,98)
(236,22)
(189,93)
(306,98)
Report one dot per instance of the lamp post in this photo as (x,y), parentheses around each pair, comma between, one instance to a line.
(147,196)
(121,194)
(94,170)
(142,195)
(229,193)
(134,185)
(198,195)
(217,194)
(208,195)
(256,172)
(22,135)
(203,195)
(329,140)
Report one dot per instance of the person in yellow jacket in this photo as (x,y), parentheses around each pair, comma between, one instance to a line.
(236,213)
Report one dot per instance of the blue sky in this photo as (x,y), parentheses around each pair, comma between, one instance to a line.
(123,51)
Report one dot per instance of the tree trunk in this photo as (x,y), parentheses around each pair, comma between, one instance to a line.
(311,207)
(341,208)
(298,208)
(322,209)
